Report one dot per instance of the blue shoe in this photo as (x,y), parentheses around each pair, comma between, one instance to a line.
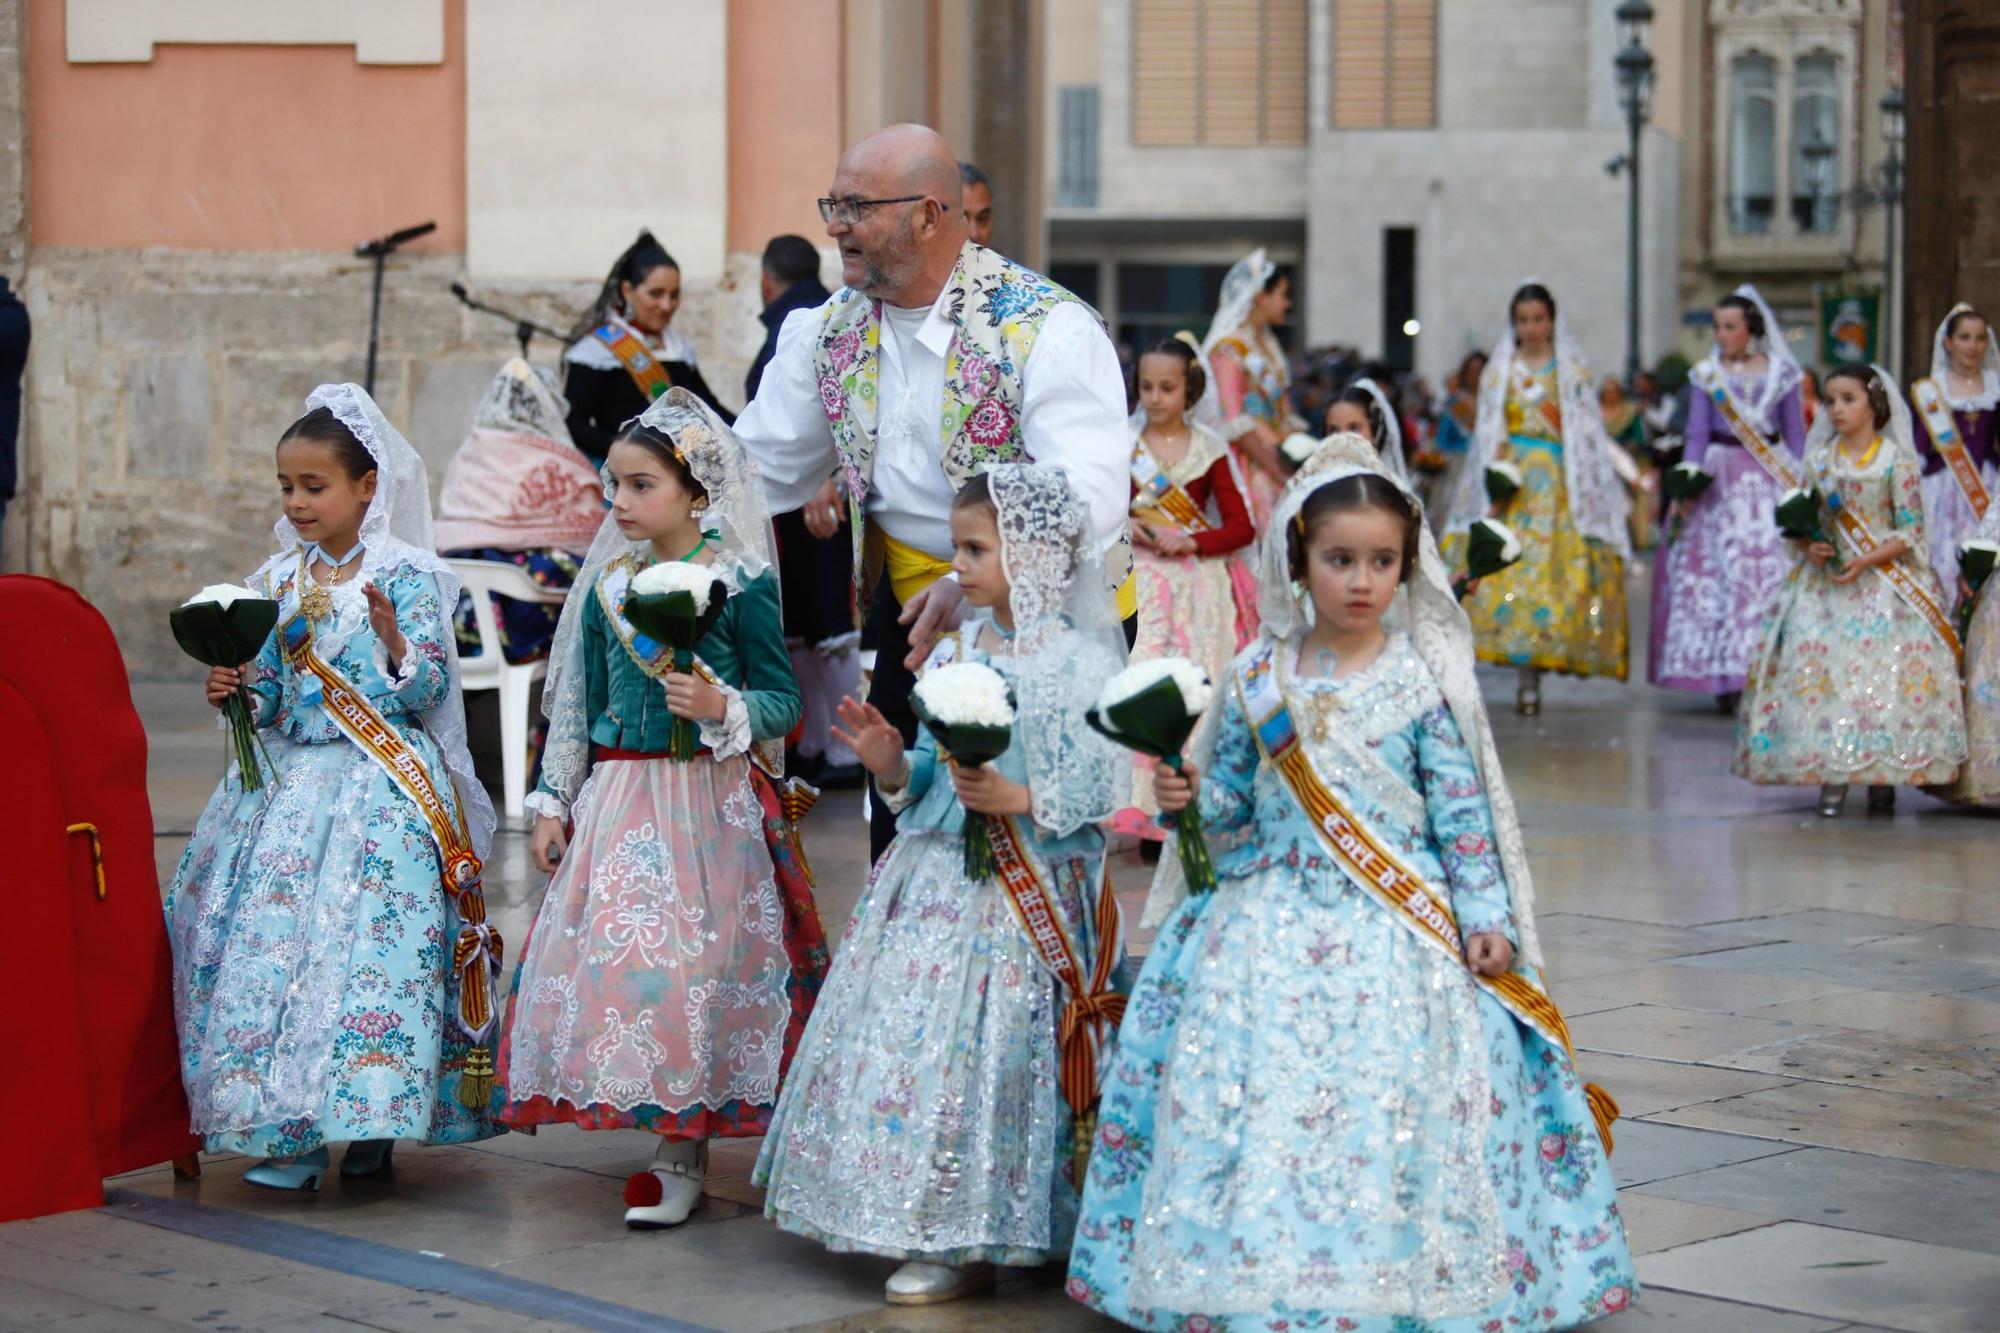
(289,1173)
(367,1158)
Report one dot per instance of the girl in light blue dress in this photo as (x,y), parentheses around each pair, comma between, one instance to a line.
(927,1116)
(1341,1099)
(315,985)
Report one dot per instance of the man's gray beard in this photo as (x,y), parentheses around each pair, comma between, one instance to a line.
(902,262)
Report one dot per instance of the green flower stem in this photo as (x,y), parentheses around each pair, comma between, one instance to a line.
(681,736)
(1196,864)
(978,847)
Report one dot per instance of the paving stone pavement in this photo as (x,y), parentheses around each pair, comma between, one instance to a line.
(1801,1018)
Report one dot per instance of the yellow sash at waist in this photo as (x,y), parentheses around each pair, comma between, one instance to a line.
(911,571)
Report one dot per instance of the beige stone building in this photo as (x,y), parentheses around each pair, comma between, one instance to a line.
(182,187)
(1783,170)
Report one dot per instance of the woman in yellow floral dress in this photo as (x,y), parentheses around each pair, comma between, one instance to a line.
(1562,608)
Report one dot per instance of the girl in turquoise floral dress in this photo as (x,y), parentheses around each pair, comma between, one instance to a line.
(314,983)
(1340,1098)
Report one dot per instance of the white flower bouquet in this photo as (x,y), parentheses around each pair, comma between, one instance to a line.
(1976,559)
(225,625)
(1298,447)
(1490,547)
(1152,707)
(969,710)
(1503,481)
(675,603)
(1685,481)
(1805,515)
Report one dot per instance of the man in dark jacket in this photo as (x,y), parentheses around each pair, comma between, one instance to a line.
(815,555)
(13,360)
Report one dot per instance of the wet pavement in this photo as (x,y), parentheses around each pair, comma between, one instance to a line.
(1800,1017)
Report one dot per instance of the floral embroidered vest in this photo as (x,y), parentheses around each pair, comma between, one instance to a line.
(998,308)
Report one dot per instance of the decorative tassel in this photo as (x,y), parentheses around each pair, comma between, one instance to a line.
(475,1086)
(1086,1134)
(1604,1110)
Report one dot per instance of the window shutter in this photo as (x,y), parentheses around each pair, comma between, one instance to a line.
(1218,72)
(1384,64)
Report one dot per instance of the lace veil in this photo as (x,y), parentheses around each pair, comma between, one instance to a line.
(1246,278)
(524,400)
(1598,502)
(396,531)
(1782,372)
(740,535)
(1390,446)
(1989,395)
(1442,637)
(1067,642)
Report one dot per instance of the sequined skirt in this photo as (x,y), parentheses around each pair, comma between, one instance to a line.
(1850,686)
(922,1118)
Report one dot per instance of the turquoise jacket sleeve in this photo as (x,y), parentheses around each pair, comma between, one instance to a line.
(424,676)
(746,650)
(1461,823)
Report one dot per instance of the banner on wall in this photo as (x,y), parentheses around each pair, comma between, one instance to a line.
(1850,322)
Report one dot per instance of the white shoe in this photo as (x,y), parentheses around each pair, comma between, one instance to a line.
(919,1283)
(666,1193)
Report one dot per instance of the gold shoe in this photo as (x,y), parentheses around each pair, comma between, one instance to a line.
(919,1283)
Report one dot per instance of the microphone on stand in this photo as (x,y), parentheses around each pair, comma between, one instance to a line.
(379,250)
(524,329)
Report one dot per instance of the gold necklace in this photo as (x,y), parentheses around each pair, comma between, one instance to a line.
(314,599)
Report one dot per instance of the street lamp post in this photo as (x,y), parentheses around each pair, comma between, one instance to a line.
(1635,85)
(1818,154)
(1892,190)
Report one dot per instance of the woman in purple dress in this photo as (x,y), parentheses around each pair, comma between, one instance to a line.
(1718,575)
(1965,366)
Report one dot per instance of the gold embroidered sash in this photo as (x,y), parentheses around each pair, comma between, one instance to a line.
(1377,870)
(640,364)
(1928,395)
(1093,1011)
(1160,493)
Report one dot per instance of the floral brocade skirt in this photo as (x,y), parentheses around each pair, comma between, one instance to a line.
(923,1118)
(1190,606)
(1714,585)
(1949,520)
(1850,685)
(312,980)
(1316,1121)
(1562,608)
(673,962)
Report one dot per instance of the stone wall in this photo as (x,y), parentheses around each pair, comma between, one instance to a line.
(160,381)
(13,143)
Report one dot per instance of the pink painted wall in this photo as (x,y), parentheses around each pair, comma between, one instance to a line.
(785,102)
(242,147)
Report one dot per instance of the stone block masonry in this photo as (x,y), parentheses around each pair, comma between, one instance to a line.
(159,382)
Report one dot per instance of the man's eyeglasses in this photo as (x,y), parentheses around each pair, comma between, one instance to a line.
(847,212)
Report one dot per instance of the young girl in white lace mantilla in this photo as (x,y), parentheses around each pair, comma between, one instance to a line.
(312,934)
(1320,1115)
(925,1119)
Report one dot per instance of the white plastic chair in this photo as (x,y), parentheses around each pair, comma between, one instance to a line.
(492,671)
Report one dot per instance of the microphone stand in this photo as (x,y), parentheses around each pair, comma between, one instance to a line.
(524,329)
(379,250)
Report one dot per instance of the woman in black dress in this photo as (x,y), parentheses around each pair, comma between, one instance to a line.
(624,352)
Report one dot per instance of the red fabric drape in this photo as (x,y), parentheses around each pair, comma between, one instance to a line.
(85,982)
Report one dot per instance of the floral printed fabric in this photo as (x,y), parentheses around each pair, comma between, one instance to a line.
(1317,1121)
(1851,685)
(998,308)
(923,1118)
(1563,607)
(1715,584)
(311,935)
(1979,782)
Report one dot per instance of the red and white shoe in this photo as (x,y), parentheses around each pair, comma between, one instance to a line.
(667,1193)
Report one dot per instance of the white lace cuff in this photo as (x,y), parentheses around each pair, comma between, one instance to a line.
(903,797)
(730,736)
(545,803)
(1238,426)
(396,679)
